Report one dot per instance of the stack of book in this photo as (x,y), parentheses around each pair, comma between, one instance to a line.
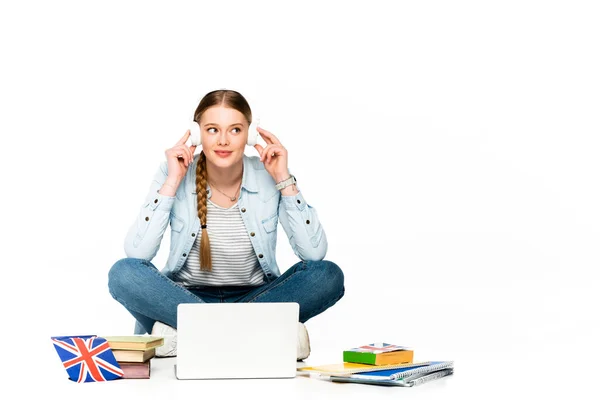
(134,353)
(381,364)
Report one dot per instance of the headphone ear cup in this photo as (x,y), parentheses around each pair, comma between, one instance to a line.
(195,136)
(253,133)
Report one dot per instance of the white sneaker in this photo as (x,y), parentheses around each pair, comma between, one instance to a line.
(303,347)
(169,347)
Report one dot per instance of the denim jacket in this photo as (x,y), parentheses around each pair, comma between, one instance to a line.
(261,205)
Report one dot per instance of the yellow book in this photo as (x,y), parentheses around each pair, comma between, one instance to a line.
(133,355)
(348,368)
(134,342)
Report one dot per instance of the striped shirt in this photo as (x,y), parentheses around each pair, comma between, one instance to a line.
(233,257)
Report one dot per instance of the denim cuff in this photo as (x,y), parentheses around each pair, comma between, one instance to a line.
(294,202)
(161,202)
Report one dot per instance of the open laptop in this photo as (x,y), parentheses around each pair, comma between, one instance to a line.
(236,340)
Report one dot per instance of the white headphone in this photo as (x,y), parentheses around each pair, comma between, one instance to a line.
(196,137)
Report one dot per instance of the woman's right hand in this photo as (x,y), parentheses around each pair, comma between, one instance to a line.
(179,157)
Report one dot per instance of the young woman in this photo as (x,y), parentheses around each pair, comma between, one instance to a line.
(223,208)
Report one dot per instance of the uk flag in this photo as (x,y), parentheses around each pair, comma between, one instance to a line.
(87,358)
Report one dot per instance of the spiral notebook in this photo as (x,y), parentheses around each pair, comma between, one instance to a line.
(415,380)
(404,372)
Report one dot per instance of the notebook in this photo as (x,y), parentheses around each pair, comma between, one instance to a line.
(348,368)
(416,380)
(236,340)
(404,372)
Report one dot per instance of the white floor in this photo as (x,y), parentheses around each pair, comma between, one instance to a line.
(494,366)
(164,385)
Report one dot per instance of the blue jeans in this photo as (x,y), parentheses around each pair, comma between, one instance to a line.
(150,296)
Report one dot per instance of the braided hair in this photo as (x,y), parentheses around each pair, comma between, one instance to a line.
(230,99)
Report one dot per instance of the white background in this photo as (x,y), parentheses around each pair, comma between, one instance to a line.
(450,148)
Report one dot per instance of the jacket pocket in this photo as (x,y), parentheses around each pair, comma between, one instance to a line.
(270,224)
(176,223)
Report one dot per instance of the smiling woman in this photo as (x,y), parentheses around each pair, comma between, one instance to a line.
(223,242)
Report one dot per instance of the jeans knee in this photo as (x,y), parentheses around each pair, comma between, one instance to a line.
(121,275)
(336,276)
(330,275)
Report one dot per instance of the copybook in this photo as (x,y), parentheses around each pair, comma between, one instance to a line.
(404,372)
(348,368)
(406,382)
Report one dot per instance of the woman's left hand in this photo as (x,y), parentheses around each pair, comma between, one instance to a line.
(274,155)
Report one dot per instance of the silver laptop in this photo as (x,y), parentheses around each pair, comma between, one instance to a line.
(236,340)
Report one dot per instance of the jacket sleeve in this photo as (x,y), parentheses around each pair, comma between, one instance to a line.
(303,228)
(144,236)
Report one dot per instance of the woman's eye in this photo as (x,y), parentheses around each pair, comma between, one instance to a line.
(238,130)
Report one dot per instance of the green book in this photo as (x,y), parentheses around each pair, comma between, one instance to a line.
(378,354)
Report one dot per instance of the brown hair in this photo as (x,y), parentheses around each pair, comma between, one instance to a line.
(225,98)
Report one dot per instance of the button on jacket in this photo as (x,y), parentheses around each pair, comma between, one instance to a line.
(261,206)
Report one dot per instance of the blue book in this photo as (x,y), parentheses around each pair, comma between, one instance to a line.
(414,380)
(403,373)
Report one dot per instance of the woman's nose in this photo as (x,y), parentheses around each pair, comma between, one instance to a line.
(223,138)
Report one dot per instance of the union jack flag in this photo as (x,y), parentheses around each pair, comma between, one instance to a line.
(87,358)
(378,348)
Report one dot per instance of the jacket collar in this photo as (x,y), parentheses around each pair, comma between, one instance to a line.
(249,176)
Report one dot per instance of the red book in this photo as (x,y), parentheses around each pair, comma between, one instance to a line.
(135,370)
